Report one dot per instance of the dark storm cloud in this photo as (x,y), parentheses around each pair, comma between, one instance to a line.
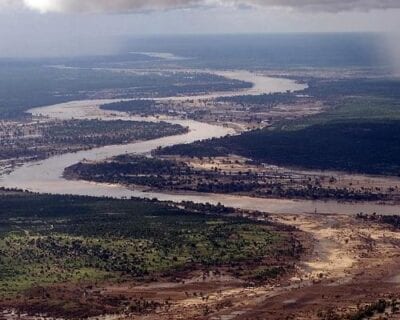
(126,6)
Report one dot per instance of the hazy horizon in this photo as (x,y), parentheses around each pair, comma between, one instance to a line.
(38,28)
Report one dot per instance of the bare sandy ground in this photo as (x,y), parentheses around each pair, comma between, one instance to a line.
(352,262)
(349,263)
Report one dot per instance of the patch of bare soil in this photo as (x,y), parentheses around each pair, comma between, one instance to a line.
(349,263)
(353,264)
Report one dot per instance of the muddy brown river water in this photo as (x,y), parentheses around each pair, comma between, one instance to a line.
(46,176)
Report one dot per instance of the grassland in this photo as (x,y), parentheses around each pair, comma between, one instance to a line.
(46,241)
(350,110)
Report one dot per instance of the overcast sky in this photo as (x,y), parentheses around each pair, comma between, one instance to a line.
(55,27)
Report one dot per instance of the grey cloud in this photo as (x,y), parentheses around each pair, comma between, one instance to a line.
(332,5)
(97,6)
(126,6)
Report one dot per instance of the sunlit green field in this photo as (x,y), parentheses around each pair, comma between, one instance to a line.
(53,239)
(350,110)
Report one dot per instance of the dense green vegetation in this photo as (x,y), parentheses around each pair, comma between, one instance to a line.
(356,134)
(89,130)
(58,239)
(134,106)
(365,147)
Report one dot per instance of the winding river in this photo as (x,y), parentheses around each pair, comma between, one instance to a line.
(46,176)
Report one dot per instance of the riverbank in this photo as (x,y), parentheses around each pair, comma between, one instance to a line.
(46,176)
(348,261)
